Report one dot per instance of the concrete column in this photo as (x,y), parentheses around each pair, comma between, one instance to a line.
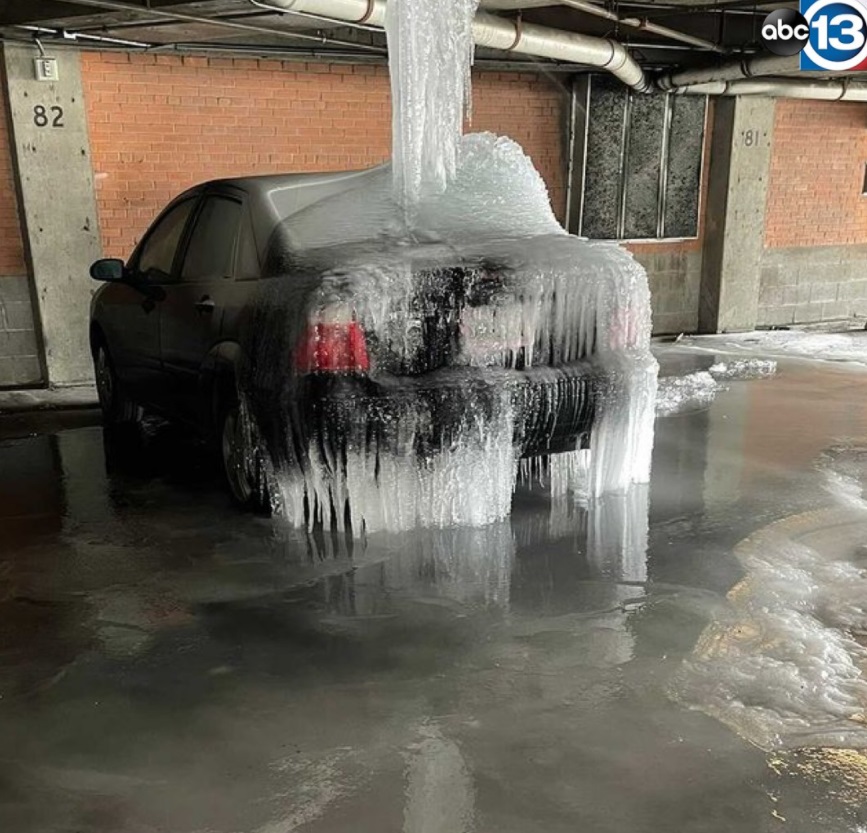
(735,213)
(53,170)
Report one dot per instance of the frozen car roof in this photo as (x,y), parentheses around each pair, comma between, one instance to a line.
(274,197)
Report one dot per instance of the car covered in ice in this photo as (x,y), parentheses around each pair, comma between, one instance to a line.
(355,362)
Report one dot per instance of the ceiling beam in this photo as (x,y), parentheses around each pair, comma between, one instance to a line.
(14,12)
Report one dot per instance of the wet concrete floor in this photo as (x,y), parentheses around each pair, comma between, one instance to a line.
(170,664)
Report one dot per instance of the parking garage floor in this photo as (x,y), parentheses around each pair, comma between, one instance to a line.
(169,664)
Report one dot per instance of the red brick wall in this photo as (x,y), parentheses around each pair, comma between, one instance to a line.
(817,174)
(11,243)
(160,124)
(530,109)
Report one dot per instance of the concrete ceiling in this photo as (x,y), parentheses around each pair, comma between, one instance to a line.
(733,24)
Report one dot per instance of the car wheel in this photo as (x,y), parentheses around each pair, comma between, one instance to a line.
(240,462)
(117,408)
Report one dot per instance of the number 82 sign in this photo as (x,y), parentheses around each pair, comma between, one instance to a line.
(838,35)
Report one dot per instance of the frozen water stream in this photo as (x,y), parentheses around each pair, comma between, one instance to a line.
(430,50)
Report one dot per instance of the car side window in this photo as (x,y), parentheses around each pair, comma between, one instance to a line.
(211,252)
(158,251)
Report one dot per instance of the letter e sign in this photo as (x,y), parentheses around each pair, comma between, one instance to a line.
(46,69)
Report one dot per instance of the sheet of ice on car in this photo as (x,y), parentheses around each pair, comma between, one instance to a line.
(470,218)
(379,486)
(495,193)
(542,299)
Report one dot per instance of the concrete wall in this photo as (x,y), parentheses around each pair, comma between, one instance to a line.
(160,124)
(20,354)
(674,274)
(812,284)
(51,153)
(19,344)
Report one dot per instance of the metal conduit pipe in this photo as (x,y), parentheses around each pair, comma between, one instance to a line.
(733,71)
(642,24)
(500,33)
(516,5)
(371,12)
(261,4)
(164,14)
(528,39)
(781,88)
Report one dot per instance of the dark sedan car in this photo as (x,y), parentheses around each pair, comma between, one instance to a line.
(225,317)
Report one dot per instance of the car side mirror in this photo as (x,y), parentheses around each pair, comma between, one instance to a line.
(108,269)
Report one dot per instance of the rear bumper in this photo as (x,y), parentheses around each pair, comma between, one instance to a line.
(553,408)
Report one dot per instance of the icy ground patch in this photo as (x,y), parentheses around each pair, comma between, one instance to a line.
(743,369)
(681,394)
(785,667)
(697,390)
(845,470)
(835,347)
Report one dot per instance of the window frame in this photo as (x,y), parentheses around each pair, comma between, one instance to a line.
(135,258)
(231,195)
(622,189)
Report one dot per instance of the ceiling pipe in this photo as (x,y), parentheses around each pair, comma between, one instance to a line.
(68,39)
(499,33)
(260,4)
(516,5)
(66,35)
(183,17)
(734,71)
(760,76)
(641,24)
(503,34)
(839,90)
(734,78)
(659,10)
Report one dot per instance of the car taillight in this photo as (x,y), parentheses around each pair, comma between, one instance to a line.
(333,344)
(625,329)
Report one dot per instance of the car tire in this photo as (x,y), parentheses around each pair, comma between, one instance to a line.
(117,408)
(241,463)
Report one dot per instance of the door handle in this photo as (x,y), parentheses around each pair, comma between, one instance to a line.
(206,304)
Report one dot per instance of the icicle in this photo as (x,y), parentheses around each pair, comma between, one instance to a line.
(430,52)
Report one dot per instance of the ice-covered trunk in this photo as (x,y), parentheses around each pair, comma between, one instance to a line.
(480,320)
(430,52)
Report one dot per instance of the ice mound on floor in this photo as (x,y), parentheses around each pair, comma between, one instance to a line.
(785,667)
(697,390)
(692,392)
(743,369)
(849,346)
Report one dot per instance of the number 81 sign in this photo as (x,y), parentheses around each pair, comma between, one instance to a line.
(838,35)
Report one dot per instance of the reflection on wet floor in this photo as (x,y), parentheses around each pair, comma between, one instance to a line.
(167,663)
